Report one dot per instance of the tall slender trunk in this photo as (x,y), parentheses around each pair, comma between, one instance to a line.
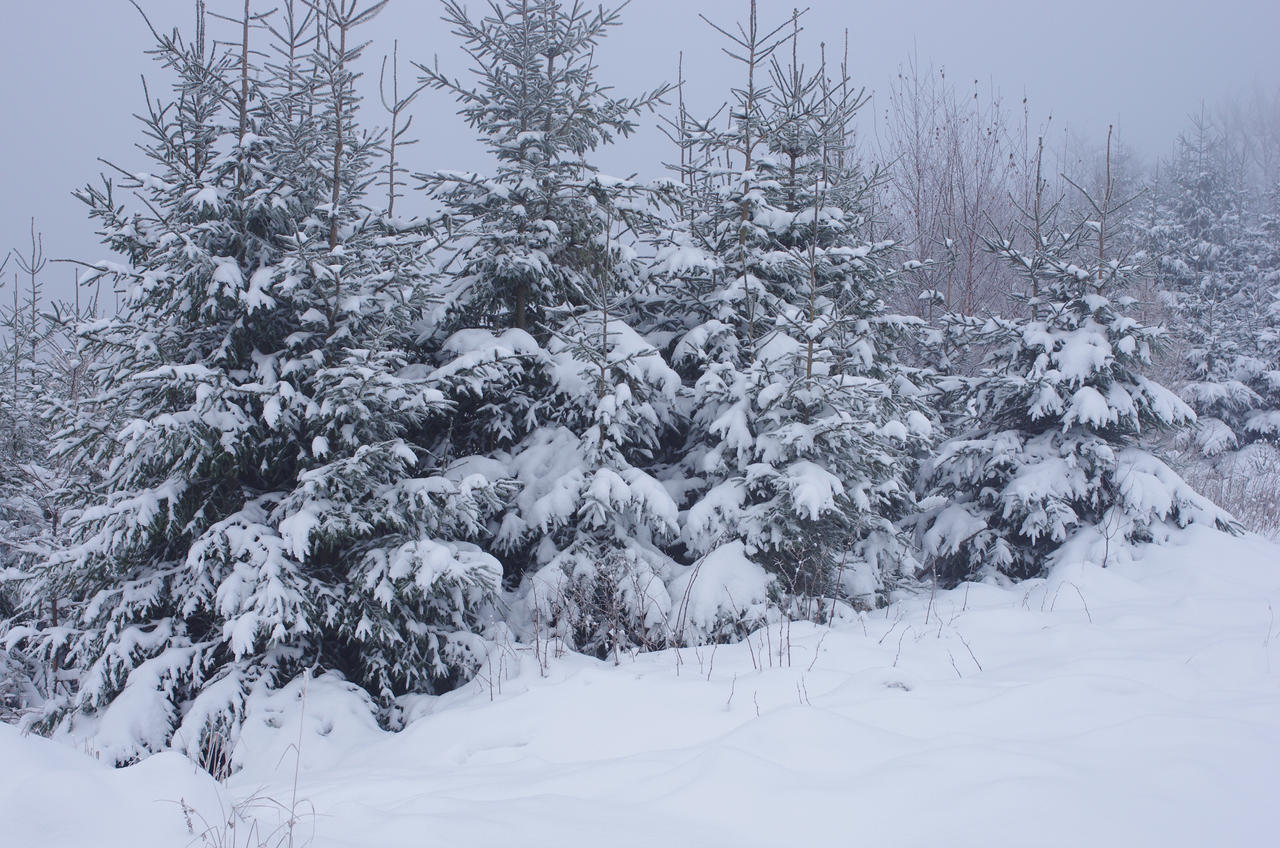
(339,104)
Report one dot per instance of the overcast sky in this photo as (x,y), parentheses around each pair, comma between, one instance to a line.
(70,71)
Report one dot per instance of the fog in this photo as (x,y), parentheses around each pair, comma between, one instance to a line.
(71,73)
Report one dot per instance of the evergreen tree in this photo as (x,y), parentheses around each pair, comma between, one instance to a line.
(1205,267)
(19,513)
(1051,450)
(553,385)
(805,425)
(264,506)
(1258,367)
(42,374)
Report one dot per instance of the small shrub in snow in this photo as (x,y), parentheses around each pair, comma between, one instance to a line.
(1246,483)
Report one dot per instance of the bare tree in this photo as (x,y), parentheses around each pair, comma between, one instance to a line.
(958,169)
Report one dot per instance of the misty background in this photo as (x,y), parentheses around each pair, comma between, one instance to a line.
(72,73)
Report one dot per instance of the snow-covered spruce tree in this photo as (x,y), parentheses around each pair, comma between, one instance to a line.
(1051,454)
(27,340)
(42,372)
(17,442)
(805,426)
(1203,264)
(552,384)
(1258,367)
(20,515)
(264,507)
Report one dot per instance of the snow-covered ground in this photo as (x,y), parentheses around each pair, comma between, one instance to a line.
(1137,705)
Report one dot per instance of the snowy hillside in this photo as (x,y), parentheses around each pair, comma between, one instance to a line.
(1137,705)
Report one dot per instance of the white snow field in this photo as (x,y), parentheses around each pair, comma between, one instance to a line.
(1136,705)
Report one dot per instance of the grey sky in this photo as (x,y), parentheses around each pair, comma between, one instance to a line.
(70,73)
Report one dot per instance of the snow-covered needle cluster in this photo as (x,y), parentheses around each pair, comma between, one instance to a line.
(561,405)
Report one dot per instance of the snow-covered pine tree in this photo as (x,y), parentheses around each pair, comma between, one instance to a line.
(1051,453)
(264,508)
(552,383)
(805,426)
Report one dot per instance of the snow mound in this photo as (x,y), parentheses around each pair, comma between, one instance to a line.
(53,795)
(1133,704)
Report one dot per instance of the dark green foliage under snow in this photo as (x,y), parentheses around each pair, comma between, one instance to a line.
(266,502)
(620,415)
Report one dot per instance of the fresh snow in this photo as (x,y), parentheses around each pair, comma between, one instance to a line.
(53,795)
(1136,705)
